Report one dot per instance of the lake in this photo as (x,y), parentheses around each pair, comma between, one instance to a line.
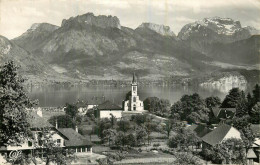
(59,95)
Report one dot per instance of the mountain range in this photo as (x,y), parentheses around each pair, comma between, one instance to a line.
(89,47)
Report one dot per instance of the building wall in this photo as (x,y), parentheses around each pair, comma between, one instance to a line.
(91,106)
(25,146)
(106,113)
(233,133)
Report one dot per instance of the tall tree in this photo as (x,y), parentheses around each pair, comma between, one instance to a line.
(232,99)
(256,94)
(212,102)
(191,108)
(71,110)
(14,126)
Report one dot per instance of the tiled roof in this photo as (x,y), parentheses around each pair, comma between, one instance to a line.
(80,104)
(192,127)
(223,112)
(199,130)
(217,135)
(36,121)
(251,154)
(216,111)
(107,105)
(74,138)
(95,101)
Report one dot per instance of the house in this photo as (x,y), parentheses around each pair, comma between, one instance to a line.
(199,130)
(75,141)
(221,133)
(134,103)
(66,138)
(256,146)
(222,114)
(94,102)
(81,106)
(106,109)
(250,157)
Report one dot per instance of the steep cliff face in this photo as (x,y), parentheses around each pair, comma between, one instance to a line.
(89,46)
(29,65)
(216,28)
(98,21)
(225,81)
(161,29)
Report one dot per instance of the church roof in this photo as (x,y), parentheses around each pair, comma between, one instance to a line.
(134,79)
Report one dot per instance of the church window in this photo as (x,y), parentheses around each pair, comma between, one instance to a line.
(134,107)
(134,99)
(134,88)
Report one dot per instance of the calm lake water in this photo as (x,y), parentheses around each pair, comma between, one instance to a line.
(58,96)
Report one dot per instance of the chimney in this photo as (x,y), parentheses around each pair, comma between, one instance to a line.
(56,124)
(76,129)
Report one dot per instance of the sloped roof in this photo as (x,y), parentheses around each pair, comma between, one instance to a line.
(199,130)
(95,101)
(217,135)
(251,154)
(107,105)
(216,111)
(36,121)
(74,138)
(80,104)
(192,127)
(223,112)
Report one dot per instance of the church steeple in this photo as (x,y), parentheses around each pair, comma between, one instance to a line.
(134,81)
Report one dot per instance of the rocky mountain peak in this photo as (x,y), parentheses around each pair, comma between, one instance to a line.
(225,26)
(252,30)
(161,29)
(42,27)
(101,21)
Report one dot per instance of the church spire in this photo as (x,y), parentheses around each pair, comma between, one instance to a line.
(134,78)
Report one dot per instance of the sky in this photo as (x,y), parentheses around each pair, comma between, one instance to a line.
(16,16)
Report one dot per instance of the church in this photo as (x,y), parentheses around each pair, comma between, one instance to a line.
(134,104)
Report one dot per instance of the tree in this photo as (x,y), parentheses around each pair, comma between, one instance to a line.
(14,126)
(72,110)
(212,102)
(168,127)
(109,135)
(63,121)
(230,151)
(183,139)
(243,125)
(256,94)
(112,120)
(139,119)
(141,134)
(123,125)
(232,99)
(255,113)
(158,106)
(191,108)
